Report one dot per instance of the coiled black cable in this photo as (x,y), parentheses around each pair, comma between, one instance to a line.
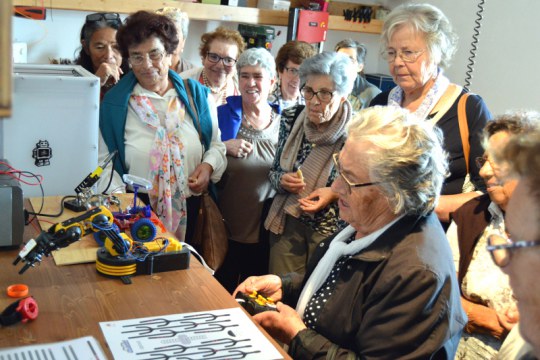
(476,34)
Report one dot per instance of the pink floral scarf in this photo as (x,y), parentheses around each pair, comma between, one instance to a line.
(167,196)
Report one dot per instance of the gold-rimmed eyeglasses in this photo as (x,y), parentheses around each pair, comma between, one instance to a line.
(292,71)
(408,56)
(501,248)
(349,183)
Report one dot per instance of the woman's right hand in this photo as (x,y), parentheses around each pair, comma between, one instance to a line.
(268,286)
(292,183)
(238,147)
(108,71)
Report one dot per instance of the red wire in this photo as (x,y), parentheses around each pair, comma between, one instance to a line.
(19,174)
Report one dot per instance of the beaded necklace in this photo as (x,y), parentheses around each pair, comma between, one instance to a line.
(252,127)
(222,92)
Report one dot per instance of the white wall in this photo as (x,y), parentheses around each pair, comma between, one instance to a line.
(505,74)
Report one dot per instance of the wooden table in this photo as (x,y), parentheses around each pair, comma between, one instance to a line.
(73,299)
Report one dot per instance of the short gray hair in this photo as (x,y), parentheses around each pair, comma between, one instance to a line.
(361,50)
(179,17)
(426,20)
(337,66)
(407,157)
(257,57)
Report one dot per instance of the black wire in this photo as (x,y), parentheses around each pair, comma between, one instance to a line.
(104,192)
(53,215)
(476,34)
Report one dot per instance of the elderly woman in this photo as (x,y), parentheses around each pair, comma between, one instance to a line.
(486,294)
(250,129)
(162,130)
(219,52)
(363,91)
(288,60)
(418,44)
(99,51)
(181,20)
(384,287)
(304,211)
(519,255)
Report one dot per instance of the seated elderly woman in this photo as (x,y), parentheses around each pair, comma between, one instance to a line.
(163,131)
(181,20)
(385,286)
(99,51)
(219,52)
(304,210)
(519,254)
(363,91)
(486,294)
(288,60)
(250,129)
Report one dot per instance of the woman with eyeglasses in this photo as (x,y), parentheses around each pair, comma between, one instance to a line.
(288,60)
(219,52)
(418,42)
(304,210)
(519,255)
(99,51)
(163,131)
(384,287)
(363,91)
(249,127)
(485,291)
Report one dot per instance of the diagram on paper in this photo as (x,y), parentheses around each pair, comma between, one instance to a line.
(211,335)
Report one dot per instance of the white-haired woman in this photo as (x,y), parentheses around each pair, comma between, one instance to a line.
(418,43)
(304,211)
(181,20)
(249,128)
(385,286)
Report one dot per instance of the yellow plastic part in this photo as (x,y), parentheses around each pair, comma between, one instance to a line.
(116,270)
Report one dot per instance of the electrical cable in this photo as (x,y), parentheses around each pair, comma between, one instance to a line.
(474,43)
(53,215)
(104,192)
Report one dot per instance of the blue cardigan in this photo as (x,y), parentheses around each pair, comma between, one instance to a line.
(114,107)
(230,116)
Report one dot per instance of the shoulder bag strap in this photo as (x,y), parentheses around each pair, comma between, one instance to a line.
(464,128)
(188,91)
(445,102)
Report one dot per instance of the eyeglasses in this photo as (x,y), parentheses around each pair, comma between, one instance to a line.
(108,17)
(155,56)
(405,55)
(215,58)
(502,248)
(350,184)
(292,71)
(480,161)
(322,95)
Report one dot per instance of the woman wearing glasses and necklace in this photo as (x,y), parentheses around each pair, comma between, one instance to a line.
(219,52)
(486,294)
(99,52)
(304,210)
(163,131)
(418,43)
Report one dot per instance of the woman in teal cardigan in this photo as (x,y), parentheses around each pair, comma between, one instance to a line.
(158,132)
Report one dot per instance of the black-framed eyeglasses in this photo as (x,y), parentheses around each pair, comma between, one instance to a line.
(155,57)
(108,17)
(215,58)
(501,248)
(408,56)
(350,184)
(322,95)
(292,71)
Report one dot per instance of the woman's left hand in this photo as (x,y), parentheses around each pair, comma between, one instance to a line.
(200,177)
(317,200)
(282,324)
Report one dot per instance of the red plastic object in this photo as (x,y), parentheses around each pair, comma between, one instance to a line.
(28,308)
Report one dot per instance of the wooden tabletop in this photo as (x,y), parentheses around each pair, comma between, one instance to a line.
(73,299)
